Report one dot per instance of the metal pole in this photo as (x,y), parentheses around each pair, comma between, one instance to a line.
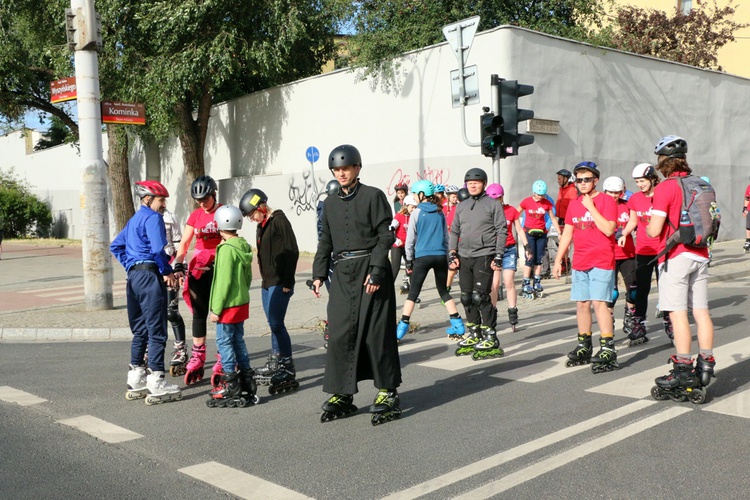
(97,263)
(495,105)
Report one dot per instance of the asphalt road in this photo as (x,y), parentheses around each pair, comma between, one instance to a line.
(522,426)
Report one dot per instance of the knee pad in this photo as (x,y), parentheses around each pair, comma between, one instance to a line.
(615,296)
(173,314)
(631,295)
(479,298)
(465,299)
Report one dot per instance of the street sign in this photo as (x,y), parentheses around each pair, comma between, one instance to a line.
(127,113)
(312,154)
(460,35)
(471,87)
(63,90)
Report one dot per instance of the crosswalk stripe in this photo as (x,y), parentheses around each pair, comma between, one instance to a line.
(556,461)
(76,294)
(11,395)
(239,483)
(70,287)
(737,405)
(101,429)
(639,385)
(465,472)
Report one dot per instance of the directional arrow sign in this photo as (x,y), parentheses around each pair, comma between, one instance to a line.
(460,35)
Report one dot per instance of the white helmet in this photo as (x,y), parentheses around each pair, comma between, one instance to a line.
(410,200)
(644,170)
(614,185)
(228,218)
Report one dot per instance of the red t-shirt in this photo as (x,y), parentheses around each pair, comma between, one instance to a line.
(402,229)
(590,247)
(511,215)
(623,217)
(206,233)
(668,203)
(642,206)
(564,196)
(450,213)
(535,212)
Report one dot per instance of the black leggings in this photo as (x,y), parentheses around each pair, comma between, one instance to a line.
(645,268)
(396,254)
(626,268)
(200,291)
(439,264)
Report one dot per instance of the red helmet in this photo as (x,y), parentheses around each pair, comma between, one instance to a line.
(150,188)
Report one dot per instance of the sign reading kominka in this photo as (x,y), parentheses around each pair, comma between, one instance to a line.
(63,90)
(123,113)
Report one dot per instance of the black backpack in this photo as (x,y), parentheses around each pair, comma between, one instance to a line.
(699,216)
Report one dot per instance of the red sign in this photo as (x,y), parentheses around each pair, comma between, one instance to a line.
(63,90)
(123,113)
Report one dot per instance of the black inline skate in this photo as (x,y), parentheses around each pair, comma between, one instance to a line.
(405,285)
(337,406)
(637,335)
(385,407)
(581,355)
(527,291)
(704,369)
(628,320)
(746,246)
(284,380)
(606,359)
(513,317)
(234,390)
(538,288)
(668,329)
(489,347)
(179,360)
(682,383)
(466,346)
(264,373)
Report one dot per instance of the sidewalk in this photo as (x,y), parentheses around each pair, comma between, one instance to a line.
(31,276)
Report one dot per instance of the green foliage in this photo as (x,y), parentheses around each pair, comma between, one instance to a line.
(22,214)
(56,134)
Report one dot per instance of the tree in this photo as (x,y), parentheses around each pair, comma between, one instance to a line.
(57,134)
(694,38)
(21,213)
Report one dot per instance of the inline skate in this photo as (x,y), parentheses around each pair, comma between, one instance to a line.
(194,367)
(668,329)
(637,335)
(405,285)
(385,407)
(326,336)
(466,346)
(337,406)
(264,373)
(513,317)
(233,390)
(628,320)
(402,329)
(527,291)
(179,360)
(746,247)
(538,288)
(704,369)
(136,383)
(489,347)
(217,371)
(581,355)
(682,383)
(284,380)
(456,330)
(159,390)
(606,359)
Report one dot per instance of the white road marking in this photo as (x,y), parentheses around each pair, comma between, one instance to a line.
(101,429)
(239,483)
(639,385)
(463,473)
(11,395)
(556,461)
(70,287)
(737,405)
(77,294)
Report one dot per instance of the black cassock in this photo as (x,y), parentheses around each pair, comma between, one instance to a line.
(362,328)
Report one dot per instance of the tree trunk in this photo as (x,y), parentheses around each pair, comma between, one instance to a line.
(119,175)
(192,132)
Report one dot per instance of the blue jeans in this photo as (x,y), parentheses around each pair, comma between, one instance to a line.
(275,303)
(230,340)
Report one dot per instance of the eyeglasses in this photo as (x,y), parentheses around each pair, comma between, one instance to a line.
(582,180)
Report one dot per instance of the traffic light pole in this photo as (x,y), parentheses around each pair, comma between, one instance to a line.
(97,263)
(495,104)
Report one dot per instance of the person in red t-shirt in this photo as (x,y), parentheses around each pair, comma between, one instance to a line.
(451,202)
(624,254)
(590,224)
(646,248)
(534,209)
(745,212)
(400,225)
(510,256)
(200,270)
(565,194)
(683,281)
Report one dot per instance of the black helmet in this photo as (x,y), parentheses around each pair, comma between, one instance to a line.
(252,200)
(332,188)
(202,187)
(475,174)
(463,194)
(343,156)
(672,146)
(565,173)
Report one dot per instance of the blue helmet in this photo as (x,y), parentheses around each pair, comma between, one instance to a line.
(539,187)
(439,188)
(423,186)
(587,165)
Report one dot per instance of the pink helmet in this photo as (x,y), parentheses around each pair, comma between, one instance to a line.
(495,190)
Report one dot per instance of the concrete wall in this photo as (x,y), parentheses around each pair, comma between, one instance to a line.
(612,108)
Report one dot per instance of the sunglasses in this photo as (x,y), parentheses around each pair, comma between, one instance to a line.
(581,180)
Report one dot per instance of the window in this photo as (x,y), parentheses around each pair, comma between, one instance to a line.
(685,6)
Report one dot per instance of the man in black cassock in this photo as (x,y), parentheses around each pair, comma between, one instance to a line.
(362,299)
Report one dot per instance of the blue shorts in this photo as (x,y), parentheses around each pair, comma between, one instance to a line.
(594,284)
(510,258)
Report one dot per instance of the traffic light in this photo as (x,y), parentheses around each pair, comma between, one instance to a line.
(492,133)
(83,27)
(510,91)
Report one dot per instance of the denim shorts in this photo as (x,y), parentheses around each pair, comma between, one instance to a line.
(510,258)
(594,284)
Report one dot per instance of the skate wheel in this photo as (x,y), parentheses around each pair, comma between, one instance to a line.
(132,396)
(211,403)
(678,398)
(570,363)
(698,397)
(658,394)
(273,390)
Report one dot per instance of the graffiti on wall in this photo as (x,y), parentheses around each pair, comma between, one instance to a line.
(304,194)
(400,177)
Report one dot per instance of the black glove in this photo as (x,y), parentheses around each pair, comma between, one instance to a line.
(409,266)
(179,267)
(377,276)
(498,260)
(527,248)
(618,233)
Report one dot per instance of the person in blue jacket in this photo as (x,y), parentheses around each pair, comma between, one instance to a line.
(427,249)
